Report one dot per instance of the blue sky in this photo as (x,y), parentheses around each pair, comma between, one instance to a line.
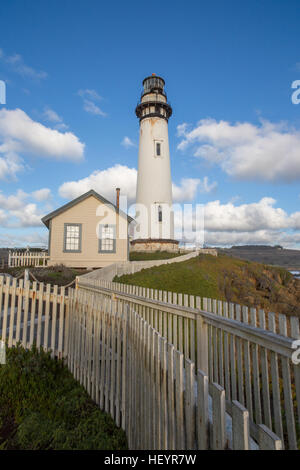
(73,72)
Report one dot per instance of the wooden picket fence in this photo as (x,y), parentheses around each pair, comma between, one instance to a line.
(33,313)
(139,364)
(150,388)
(27,258)
(247,352)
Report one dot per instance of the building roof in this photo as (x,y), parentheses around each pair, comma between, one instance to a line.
(46,219)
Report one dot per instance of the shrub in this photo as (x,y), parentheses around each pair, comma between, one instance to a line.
(43,407)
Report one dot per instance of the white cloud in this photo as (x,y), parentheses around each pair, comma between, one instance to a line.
(20,135)
(3,217)
(127,142)
(92,108)
(15,201)
(10,165)
(52,116)
(43,194)
(206,187)
(92,94)
(18,65)
(186,190)
(255,223)
(27,216)
(12,239)
(261,237)
(19,210)
(105,182)
(246,217)
(269,152)
(89,97)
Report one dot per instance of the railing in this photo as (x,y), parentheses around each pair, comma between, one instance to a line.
(158,367)
(27,258)
(248,353)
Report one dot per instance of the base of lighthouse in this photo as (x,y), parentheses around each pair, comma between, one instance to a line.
(154,244)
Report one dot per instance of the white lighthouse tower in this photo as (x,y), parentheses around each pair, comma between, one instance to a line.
(154,214)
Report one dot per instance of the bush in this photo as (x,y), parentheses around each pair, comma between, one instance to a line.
(43,407)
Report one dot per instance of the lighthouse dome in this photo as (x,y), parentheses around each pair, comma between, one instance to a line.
(153,83)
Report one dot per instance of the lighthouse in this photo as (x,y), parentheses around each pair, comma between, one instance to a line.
(154,215)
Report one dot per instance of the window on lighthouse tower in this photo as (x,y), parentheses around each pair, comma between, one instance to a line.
(159,214)
(158,149)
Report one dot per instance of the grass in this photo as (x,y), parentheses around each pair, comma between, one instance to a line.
(189,277)
(145,256)
(225,278)
(42,407)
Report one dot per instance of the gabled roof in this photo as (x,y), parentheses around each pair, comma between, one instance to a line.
(46,219)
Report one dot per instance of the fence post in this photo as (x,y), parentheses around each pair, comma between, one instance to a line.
(267,439)
(202,344)
(26,275)
(240,427)
(218,431)
(202,411)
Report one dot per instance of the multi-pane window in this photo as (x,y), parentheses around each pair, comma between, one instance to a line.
(72,241)
(107,238)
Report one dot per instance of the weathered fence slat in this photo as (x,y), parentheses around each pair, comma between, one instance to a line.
(275,382)
(268,440)
(6,309)
(295,333)
(179,361)
(288,401)
(19,309)
(240,427)
(12,313)
(202,411)
(218,428)
(265,377)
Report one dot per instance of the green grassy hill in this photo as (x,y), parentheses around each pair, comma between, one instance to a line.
(144,256)
(225,278)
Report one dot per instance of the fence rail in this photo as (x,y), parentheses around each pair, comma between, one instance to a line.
(173,376)
(245,351)
(27,258)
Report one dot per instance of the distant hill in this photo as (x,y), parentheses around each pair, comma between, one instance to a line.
(225,278)
(272,255)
